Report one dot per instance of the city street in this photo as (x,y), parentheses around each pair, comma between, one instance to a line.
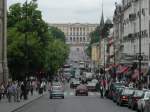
(72,103)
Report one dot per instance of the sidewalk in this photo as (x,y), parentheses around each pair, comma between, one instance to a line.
(5,106)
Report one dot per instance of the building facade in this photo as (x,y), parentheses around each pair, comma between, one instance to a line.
(3,42)
(95,55)
(76,33)
(127,28)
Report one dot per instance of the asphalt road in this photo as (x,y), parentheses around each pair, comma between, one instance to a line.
(72,103)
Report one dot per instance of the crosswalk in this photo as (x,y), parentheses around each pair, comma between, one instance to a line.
(72,93)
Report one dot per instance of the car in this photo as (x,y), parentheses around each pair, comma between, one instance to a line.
(116,92)
(113,86)
(56,91)
(81,90)
(141,102)
(91,86)
(133,99)
(147,105)
(74,83)
(124,96)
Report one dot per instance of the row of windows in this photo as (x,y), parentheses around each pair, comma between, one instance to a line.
(81,39)
(77,29)
(77,33)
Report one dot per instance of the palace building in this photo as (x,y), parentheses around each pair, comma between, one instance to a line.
(76,33)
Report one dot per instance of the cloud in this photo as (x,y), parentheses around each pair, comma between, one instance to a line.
(84,11)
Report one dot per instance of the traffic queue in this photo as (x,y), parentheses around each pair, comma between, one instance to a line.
(131,97)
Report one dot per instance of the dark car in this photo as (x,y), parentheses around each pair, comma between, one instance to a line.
(116,92)
(113,87)
(123,96)
(57,91)
(74,83)
(133,99)
(81,90)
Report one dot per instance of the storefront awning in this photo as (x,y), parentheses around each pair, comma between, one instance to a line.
(122,69)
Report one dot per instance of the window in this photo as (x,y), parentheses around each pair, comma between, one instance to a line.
(81,39)
(74,39)
(71,39)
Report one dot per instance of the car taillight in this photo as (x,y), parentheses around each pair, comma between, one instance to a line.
(124,97)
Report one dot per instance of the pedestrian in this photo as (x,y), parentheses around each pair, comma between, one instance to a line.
(101,89)
(2,89)
(14,91)
(9,92)
(31,88)
(18,92)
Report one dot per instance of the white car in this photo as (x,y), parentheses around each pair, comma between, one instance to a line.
(141,102)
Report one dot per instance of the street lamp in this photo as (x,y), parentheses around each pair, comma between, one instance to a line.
(140,56)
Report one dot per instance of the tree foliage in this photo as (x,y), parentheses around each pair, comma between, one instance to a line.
(97,35)
(42,50)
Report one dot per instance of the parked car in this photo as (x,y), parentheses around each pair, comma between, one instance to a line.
(56,91)
(147,105)
(116,92)
(133,99)
(113,86)
(141,102)
(81,90)
(124,96)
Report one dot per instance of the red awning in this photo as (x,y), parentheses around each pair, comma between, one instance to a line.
(122,69)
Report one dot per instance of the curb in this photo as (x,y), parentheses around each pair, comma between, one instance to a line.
(18,108)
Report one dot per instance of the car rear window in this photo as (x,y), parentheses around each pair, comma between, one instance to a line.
(128,91)
(138,93)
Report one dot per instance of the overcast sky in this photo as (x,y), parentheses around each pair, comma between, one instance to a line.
(73,11)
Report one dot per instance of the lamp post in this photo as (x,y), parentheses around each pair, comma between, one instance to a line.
(140,56)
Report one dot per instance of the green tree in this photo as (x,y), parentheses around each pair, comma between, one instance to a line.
(98,34)
(45,48)
(57,33)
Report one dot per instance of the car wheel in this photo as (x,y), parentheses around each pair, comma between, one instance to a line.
(76,94)
(62,97)
(86,94)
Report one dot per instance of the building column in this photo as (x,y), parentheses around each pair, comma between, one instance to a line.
(3,42)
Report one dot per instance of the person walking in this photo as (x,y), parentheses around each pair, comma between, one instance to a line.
(18,90)
(101,89)
(14,91)
(9,92)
